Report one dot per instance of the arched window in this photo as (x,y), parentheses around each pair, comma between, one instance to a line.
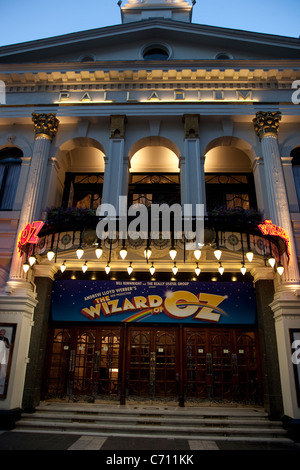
(295,154)
(10,165)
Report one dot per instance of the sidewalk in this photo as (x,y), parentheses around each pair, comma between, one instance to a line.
(16,440)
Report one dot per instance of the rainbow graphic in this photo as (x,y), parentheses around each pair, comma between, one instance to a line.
(142,314)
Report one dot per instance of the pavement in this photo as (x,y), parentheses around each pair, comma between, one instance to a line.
(132,447)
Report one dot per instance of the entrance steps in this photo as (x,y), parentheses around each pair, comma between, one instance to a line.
(206,423)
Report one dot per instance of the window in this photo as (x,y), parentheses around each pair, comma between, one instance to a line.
(223,56)
(156,53)
(153,188)
(230,191)
(10,165)
(83,190)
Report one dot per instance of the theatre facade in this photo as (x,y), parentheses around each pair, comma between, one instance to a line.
(149,216)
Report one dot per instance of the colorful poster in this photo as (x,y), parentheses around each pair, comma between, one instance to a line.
(153,302)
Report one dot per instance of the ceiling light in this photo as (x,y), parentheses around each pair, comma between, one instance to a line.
(243,270)
(271,261)
(197,270)
(218,254)
(32,260)
(197,254)
(129,269)
(79,253)
(50,255)
(84,267)
(63,267)
(280,269)
(249,255)
(26,267)
(98,252)
(107,268)
(221,269)
(175,269)
(123,253)
(147,252)
(173,253)
(152,269)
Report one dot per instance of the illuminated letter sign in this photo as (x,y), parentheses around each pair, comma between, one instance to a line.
(29,234)
(267,228)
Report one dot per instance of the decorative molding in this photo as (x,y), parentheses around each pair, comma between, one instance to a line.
(267,123)
(45,125)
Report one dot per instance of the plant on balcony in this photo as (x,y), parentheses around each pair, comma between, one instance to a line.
(54,214)
(236,215)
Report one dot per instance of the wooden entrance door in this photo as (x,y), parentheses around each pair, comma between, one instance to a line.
(83,362)
(221,364)
(152,365)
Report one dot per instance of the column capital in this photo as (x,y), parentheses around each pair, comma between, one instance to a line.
(266,123)
(45,125)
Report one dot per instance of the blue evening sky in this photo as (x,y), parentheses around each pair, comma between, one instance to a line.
(27,20)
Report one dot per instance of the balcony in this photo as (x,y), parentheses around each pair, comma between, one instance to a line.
(234,240)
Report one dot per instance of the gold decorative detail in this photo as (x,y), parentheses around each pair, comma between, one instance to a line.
(191,125)
(267,123)
(46,124)
(117,126)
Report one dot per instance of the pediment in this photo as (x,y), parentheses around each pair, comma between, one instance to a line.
(126,42)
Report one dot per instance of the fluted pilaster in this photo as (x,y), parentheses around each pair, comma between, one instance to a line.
(45,128)
(266,125)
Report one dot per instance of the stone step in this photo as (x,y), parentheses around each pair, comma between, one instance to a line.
(165,422)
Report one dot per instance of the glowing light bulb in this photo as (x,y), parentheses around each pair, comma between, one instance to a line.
(175,269)
(84,267)
(32,260)
(107,268)
(98,252)
(63,267)
(147,252)
(218,254)
(79,253)
(50,255)
(123,253)
(243,270)
(249,255)
(152,269)
(271,261)
(197,254)
(197,270)
(173,253)
(26,267)
(280,269)
(129,269)
(221,269)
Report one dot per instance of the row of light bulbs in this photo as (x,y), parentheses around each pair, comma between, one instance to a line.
(147,254)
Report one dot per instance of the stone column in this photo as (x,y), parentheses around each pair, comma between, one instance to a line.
(286,303)
(18,303)
(192,164)
(116,164)
(266,125)
(45,128)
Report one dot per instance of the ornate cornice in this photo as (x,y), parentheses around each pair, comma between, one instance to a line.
(45,125)
(267,123)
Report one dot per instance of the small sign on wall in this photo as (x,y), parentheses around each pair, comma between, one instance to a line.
(7,338)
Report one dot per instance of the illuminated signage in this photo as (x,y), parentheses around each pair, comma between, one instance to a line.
(29,234)
(268,228)
(154,302)
(149,96)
